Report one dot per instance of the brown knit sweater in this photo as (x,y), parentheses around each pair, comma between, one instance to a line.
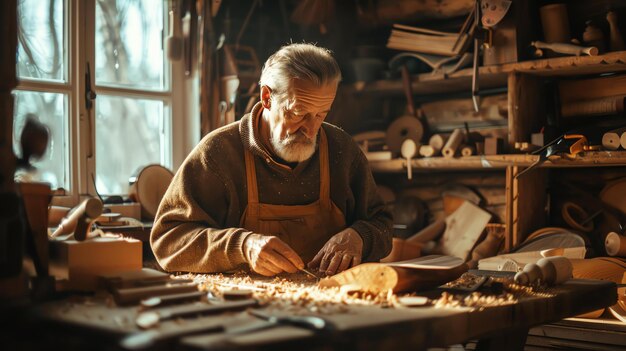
(197,227)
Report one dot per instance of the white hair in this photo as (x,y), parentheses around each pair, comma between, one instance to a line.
(299,61)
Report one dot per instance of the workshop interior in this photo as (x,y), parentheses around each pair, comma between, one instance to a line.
(494,130)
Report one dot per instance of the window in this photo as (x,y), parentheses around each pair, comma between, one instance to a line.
(117,46)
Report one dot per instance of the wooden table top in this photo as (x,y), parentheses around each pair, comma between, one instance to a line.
(358,327)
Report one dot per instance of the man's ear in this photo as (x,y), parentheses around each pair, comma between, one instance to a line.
(266,93)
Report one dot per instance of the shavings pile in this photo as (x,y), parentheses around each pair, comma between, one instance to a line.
(297,293)
(507,292)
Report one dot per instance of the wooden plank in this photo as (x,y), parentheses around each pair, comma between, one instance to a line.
(8,81)
(458,111)
(571,65)
(526,107)
(496,75)
(429,84)
(581,334)
(388,11)
(593,88)
(508,217)
(528,196)
(500,162)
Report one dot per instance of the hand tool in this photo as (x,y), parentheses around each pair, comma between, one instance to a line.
(309,273)
(146,338)
(127,296)
(151,318)
(568,145)
(162,300)
(316,324)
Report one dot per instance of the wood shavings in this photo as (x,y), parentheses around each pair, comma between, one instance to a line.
(297,293)
(510,294)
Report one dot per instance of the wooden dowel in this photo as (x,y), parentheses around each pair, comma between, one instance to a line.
(427,151)
(455,140)
(467,150)
(612,140)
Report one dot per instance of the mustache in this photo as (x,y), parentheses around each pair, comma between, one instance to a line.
(298,137)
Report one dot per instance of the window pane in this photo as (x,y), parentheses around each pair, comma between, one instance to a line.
(129,135)
(41,46)
(129,49)
(51,110)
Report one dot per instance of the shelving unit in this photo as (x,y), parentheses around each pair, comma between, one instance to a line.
(497,75)
(526,114)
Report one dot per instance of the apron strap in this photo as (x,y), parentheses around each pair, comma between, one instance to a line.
(324,171)
(253,192)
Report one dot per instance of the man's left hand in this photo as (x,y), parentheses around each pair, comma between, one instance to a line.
(341,252)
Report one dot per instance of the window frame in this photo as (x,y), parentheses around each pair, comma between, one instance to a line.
(79,38)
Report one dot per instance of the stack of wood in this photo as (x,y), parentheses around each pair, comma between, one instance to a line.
(427,41)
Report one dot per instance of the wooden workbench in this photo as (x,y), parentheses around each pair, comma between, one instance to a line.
(96,323)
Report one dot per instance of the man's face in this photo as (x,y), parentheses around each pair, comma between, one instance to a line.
(294,122)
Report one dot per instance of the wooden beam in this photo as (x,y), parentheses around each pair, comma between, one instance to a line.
(8,81)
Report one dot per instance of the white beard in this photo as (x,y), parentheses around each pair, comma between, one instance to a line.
(294,148)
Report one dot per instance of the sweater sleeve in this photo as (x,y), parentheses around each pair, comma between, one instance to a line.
(373,221)
(187,234)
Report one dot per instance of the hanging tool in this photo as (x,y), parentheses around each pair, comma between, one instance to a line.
(477,44)
(485,15)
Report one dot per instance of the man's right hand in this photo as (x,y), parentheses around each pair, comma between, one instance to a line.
(268,255)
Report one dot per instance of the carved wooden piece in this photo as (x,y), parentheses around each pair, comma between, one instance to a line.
(80,219)
(398,277)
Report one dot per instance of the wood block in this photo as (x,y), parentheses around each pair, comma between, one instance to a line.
(134,278)
(537,139)
(493,146)
(36,198)
(83,261)
(463,229)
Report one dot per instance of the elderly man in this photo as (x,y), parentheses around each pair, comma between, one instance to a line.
(278,189)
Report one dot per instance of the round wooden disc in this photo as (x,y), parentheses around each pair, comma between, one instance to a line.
(404,127)
(148,188)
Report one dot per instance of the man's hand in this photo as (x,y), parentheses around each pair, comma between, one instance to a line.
(268,255)
(341,252)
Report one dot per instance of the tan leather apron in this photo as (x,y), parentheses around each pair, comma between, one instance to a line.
(305,228)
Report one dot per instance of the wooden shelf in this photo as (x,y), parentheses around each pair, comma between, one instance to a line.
(496,76)
(589,159)
(428,83)
(571,65)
